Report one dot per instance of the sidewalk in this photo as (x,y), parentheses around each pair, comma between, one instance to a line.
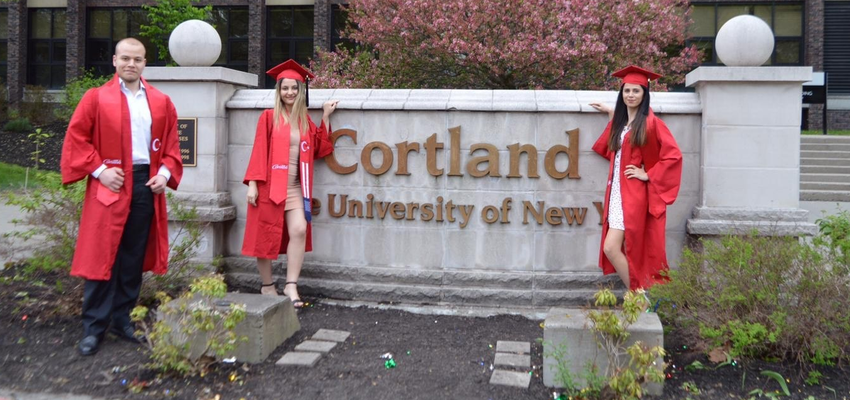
(19,249)
(13,395)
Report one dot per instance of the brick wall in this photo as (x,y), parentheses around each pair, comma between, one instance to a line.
(17,53)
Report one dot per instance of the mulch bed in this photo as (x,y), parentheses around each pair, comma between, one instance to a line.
(449,357)
(16,148)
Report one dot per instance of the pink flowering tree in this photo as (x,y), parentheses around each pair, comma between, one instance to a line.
(507,44)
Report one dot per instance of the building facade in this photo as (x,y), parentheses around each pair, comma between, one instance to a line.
(47,42)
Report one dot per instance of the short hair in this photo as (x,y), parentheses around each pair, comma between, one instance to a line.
(130,40)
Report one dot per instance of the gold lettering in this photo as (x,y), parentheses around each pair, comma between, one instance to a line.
(386,158)
(342,200)
(427,212)
(449,209)
(431,147)
(554,215)
(403,149)
(411,207)
(355,209)
(383,206)
(454,156)
(490,214)
(575,214)
(397,210)
(536,214)
(331,160)
(572,157)
(315,206)
(599,209)
(531,155)
(506,206)
(492,160)
(465,213)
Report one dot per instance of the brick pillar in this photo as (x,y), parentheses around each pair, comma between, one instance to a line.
(321,25)
(17,63)
(814,52)
(257,38)
(75,38)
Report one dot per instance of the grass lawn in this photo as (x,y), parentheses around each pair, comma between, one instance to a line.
(13,176)
(829,132)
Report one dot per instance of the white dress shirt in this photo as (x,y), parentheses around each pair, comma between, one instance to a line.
(140,128)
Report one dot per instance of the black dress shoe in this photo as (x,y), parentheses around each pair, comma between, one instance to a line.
(89,345)
(127,333)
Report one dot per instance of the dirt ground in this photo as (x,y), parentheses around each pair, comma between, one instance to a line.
(449,358)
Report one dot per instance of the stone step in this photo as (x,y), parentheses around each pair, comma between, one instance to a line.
(824,169)
(825,146)
(425,277)
(824,195)
(832,162)
(842,178)
(833,186)
(824,139)
(427,294)
(568,328)
(837,154)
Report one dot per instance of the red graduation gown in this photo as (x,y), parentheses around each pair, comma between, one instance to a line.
(99,133)
(644,203)
(265,232)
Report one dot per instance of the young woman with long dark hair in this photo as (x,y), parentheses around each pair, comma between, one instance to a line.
(644,172)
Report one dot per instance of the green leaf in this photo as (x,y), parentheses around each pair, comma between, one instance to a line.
(778,378)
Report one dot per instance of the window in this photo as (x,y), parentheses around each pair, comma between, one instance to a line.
(46,48)
(290,35)
(4,43)
(836,46)
(785,19)
(106,26)
(232,26)
(339,22)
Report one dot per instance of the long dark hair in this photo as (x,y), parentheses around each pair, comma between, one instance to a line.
(621,118)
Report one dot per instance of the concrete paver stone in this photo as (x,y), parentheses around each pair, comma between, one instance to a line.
(510,378)
(512,360)
(330,335)
(299,358)
(318,346)
(507,346)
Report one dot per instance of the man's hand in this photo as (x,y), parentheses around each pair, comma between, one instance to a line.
(157,184)
(112,178)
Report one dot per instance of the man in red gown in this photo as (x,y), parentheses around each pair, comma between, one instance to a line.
(122,138)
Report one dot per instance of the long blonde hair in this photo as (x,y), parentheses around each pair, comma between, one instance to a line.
(298,117)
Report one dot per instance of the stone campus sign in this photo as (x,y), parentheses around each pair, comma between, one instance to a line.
(488,196)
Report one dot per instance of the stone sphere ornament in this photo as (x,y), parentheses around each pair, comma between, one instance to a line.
(194,43)
(744,41)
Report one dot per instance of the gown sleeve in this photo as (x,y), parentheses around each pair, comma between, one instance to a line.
(79,156)
(601,145)
(323,146)
(258,164)
(666,175)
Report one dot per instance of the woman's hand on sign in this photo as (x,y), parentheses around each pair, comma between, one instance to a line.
(636,172)
(602,107)
(329,107)
(252,193)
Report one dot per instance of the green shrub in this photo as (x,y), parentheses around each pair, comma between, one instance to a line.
(835,236)
(19,125)
(74,91)
(195,313)
(52,212)
(628,367)
(769,297)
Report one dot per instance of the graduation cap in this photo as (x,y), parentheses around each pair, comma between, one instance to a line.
(636,75)
(292,70)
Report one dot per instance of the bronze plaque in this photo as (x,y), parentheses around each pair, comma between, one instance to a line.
(187,136)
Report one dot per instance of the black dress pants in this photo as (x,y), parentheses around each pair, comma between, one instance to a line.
(112,300)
